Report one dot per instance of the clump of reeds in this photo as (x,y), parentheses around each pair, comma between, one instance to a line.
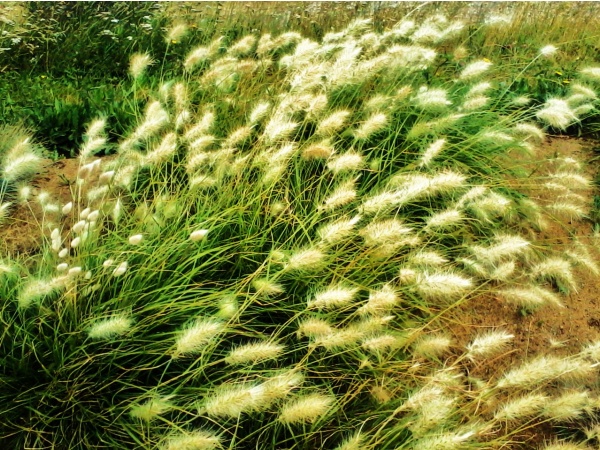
(267,271)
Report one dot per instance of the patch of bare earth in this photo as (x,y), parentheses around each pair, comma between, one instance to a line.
(21,234)
(548,330)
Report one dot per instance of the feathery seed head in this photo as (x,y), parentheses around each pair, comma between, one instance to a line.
(505,246)
(570,179)
(442,285)
(503,271)
(543,369)
(308,259)
(474,103)
(35,290)
(569,406)
(493,203)
(421,397)
(105,178)
(163,151)
(120,270)
(431,152)
(487,344)
(197,56)
(321,150)
(567,209)
(136,239)
(23,193)
(380,301)
(281,385)
(279,128)
(151,408)
(176,32)
(243,46)
(19,165)
(338,340)
(332,123)
(478,89)
(591,72)
(427,258)
(254,353)
(333,297)
(557,113)
(349,161)
(432,99)
(195,440)
(426,33)
(91,147)
(475,69)
(557,269)
(431,346)
(95,128)
(334,232)
(521,407)
(446,441)
(233,400)
(237,137)
(531,297)
(388,231)
(521,101)
(373,124)
(342,195)
(138,63)
(432,414)
(110,328)
(198,235)
(314,328)
(548,50)
(259,112)
(306,409)
(4,210)
(228,307)
(530,131)
(497,20)
(267,288)
(381,343)
(591,351)
(355,442)
(403,27)
(194,337)
(201,127)
(444,219)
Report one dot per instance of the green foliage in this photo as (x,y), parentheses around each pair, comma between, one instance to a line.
(59,109)
(94,38)
(244,279)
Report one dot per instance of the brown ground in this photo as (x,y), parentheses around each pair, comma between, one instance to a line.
(579,321)
(550,329)
(22,233)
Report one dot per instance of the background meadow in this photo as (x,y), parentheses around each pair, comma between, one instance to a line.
(276,215)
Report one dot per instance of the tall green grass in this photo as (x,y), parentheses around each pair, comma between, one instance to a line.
(258,266)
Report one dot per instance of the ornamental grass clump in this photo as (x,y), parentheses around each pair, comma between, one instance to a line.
(266,257)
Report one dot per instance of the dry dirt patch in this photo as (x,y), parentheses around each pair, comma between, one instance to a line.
(558,331)
(22,235)
(561,329)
